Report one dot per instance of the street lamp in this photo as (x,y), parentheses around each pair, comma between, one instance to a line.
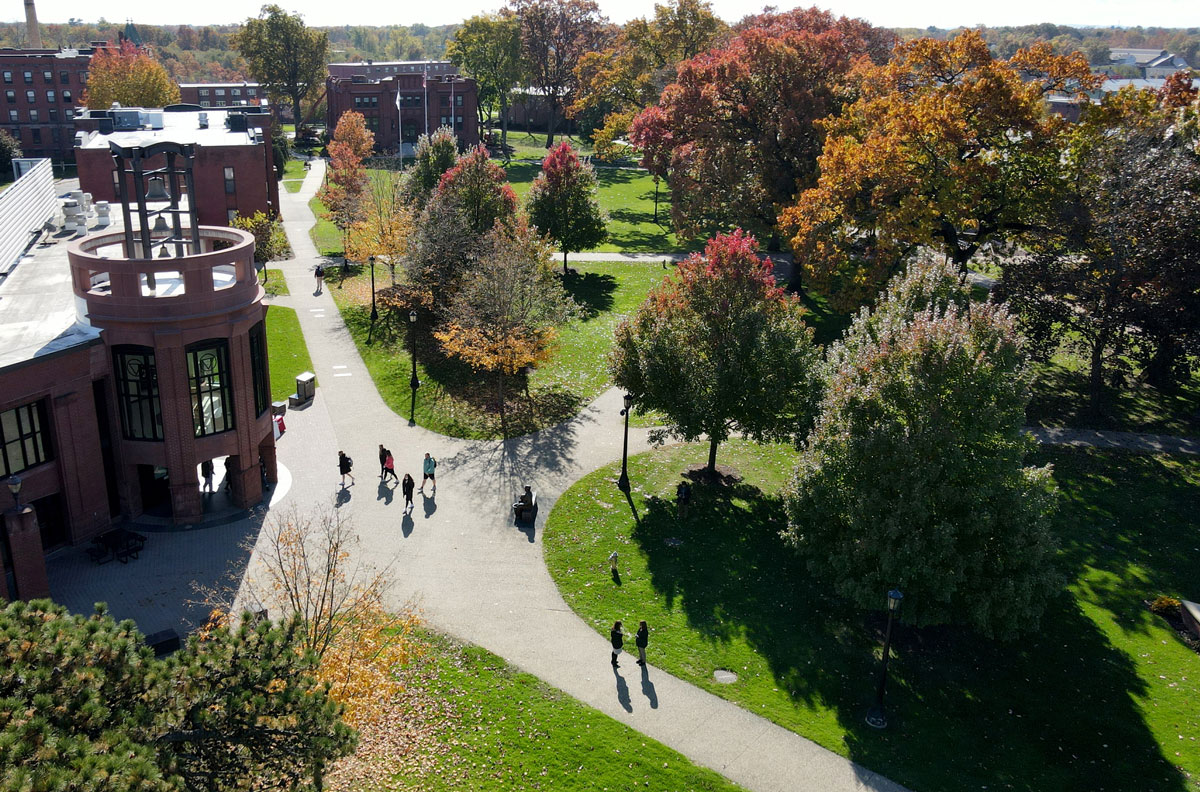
(14,486)
(413,383)
(876,717)
(623,482)
(374,310)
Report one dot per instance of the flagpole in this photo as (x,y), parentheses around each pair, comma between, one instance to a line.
(425,87)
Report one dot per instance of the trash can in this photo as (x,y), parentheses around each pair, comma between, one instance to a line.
(306,386)
(279,408)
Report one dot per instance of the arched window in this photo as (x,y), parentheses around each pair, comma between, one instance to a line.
(137,392)
(211,387)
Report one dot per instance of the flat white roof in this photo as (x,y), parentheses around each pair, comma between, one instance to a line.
(182,128)
(220,85)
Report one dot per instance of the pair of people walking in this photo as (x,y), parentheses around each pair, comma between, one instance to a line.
(641,638)
(387,464)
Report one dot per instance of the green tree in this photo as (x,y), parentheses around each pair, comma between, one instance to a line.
(488,46)
(10,149)
(436,153)
(914,476)
(270,241)
(721,349)
(283,54)
(129,75)
(562,202)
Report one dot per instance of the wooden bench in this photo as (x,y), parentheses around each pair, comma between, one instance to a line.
(526,511)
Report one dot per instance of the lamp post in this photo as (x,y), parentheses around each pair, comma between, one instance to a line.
(14,486)
(374,310)
(876,717)
(623,481)
(413,383)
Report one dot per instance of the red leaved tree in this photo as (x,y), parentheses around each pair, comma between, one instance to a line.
(562,202)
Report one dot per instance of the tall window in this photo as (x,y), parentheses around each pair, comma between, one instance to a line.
(11,96)
(64,77)
(34,116)
(209,382)
(66,96)
(28,76)
(230,186)
(50,97)
(48,76)
(23,439)
(137,392)
(31,97)
(8,77)
(258,363)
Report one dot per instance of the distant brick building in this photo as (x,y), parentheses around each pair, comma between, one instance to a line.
(234,168)
(402,100)
(223,94)
(42,89)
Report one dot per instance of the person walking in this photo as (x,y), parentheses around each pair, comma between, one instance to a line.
(641,638)
(206,470)
(345,465)
(229,473)
(389,468)
(383,455)
(427,469)
(319,274)
(407,486)
(618,640)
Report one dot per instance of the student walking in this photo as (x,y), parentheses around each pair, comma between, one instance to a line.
(618,640)
(641,638)
(345,465)
(206,470)
(427,469)
(383,455)
(319,274)
(389,468)
(407,486)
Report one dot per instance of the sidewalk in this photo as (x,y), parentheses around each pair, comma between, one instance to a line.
(476,575)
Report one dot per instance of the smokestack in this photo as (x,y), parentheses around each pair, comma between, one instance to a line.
(31,23)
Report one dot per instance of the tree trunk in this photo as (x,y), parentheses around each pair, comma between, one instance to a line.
(656,180)
(565,270)
(500,393)
(1160,371)
(504,125)
(1096,372)
(296,113)
(712,456)
(551,122)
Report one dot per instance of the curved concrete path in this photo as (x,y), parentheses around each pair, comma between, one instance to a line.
(476,575)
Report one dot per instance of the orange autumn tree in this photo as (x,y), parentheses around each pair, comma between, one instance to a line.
(386,222)
(344,191)
(946,146)
(503,317)
(130,75)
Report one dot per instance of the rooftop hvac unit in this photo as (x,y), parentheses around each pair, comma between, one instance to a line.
(155,119)
(358,79)
(124,119)
(203,117)
(237,122)
(106,126)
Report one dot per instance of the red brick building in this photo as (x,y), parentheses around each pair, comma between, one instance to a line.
(402,100)
(42,89)
(118,376)
(234,165)
(223,94)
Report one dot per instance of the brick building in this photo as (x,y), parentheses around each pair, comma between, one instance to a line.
(222,94)
(234,165)
(119,375)
(402,100)
(42,89)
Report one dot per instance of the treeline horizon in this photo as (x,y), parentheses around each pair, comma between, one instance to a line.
(202,53)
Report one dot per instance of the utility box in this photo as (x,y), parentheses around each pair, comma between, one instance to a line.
(306,387)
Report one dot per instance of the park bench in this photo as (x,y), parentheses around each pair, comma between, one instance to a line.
(524,511)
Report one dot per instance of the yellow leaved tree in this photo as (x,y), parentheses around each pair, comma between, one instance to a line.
(129,75)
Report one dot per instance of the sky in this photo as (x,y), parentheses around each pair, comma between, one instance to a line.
(886,13)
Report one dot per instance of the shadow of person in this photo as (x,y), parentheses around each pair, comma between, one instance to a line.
(648,688)
(429,503)
(406,525)
(343,497)
(622,691)
(385,493)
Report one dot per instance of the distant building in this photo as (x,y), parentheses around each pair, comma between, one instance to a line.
(234,167)
(401,100)
(42,89)
(1150,62)
(223,94)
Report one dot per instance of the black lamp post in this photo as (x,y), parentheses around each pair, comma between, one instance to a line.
(14,486)
(413,383)
(876,717)
(374,310)
(623,482)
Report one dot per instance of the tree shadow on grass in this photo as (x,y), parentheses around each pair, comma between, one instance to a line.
(1061,397)
(593,291)
(1052,711)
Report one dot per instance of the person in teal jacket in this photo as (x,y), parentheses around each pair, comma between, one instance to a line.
(427,469)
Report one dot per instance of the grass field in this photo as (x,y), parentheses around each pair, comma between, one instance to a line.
(455,400)
(1102,697)
(325,235)
(286,350)
(293,175)
(511,731)
(275,284)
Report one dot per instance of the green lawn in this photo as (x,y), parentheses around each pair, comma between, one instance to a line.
(455,400)
(286,351)
(1103,697)
(275,284)
(627,194)
(325,235)
(510,731)
(1060,398)
(528,146)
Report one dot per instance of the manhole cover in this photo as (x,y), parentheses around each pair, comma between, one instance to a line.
(724,677)
(671,541)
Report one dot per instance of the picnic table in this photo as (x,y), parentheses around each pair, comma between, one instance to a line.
(119,543)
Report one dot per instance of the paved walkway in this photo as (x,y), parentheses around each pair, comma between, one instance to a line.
(478,576)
